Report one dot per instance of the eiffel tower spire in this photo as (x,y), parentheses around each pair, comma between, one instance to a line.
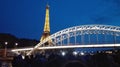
(46,32)
(47,25)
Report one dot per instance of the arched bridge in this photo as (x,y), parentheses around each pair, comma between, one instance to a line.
(81,36)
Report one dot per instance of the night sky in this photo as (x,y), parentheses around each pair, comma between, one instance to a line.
(25,18)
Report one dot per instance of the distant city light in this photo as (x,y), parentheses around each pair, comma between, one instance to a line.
(63,53)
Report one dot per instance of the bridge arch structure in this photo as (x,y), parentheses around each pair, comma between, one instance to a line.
(82,30)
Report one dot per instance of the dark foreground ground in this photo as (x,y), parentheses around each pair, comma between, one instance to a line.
(53,60)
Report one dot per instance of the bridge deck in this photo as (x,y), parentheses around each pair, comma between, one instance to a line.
(70,46)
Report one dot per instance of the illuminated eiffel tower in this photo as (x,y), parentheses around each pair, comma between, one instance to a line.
(46,32)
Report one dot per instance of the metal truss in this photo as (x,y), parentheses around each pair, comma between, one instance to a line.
(79,30)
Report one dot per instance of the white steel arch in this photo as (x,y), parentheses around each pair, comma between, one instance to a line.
(78,28)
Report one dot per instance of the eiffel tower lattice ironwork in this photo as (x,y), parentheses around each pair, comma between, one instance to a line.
(46,32)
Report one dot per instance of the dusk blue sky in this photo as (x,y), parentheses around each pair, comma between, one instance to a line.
(25,18)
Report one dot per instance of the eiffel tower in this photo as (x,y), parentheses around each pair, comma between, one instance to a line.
(46,32)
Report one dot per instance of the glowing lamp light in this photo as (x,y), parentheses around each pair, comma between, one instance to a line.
(23,57)
(75,53)
(63,53)
(82,53)
(6,43)
(16,44)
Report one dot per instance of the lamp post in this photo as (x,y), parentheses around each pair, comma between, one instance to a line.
(16,44)
(5,49)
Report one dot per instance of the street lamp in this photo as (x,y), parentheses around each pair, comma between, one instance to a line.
(5,49)
(16,44)
(6,43)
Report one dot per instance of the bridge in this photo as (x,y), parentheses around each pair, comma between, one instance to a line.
(84,36)
(77,37)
